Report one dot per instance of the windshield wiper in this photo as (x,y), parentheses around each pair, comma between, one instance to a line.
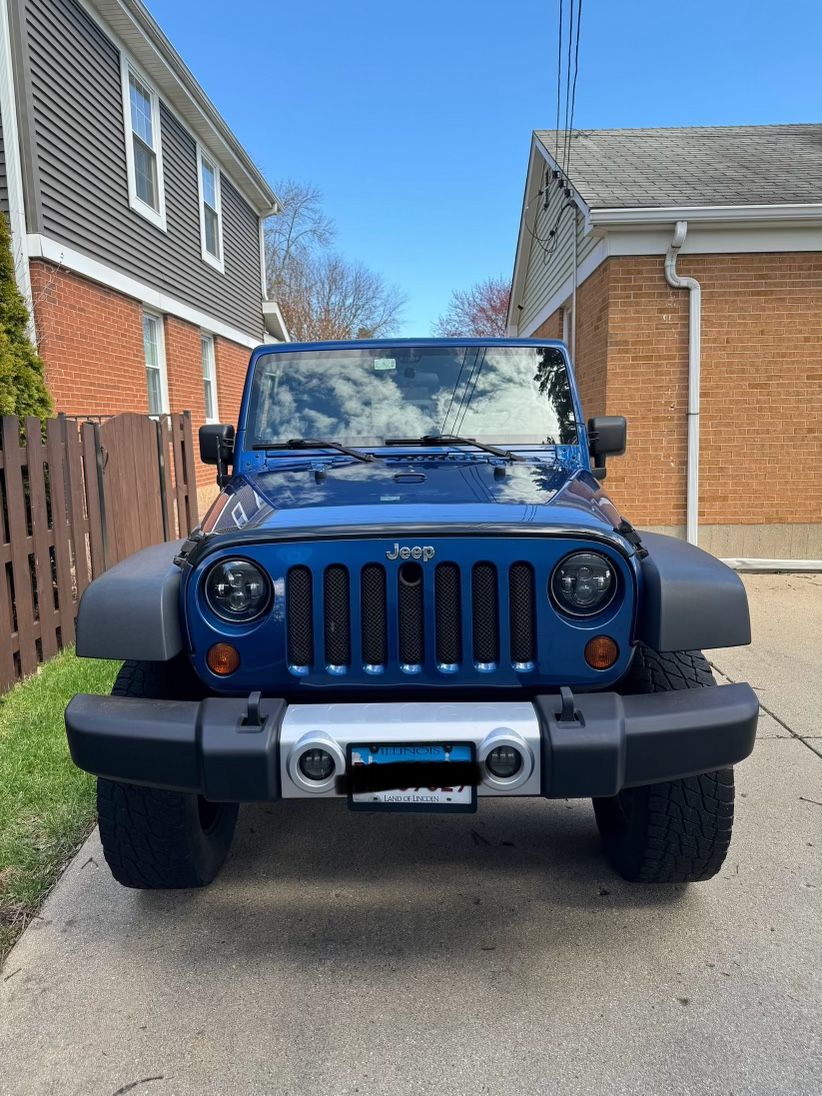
(454,439)
(319,443)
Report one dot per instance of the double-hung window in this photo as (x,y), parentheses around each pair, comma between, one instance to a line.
(144,160)
(155,358)
(209,377)
(211,214)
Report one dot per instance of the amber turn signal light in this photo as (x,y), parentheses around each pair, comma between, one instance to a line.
(223,659)
(601,652)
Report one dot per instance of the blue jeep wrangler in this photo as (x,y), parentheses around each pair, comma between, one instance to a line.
(412,593)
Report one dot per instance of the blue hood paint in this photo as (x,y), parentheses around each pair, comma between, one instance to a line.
(300,493)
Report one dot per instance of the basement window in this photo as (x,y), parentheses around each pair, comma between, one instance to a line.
(144,161)
(211,214)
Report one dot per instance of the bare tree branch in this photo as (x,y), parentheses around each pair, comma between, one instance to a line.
(323,296)
(479,312)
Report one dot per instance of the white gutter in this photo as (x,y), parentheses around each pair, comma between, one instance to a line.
(694,348)
(795,212)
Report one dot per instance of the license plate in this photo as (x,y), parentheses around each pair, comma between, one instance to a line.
(417,791)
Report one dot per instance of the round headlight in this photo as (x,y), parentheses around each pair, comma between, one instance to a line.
(237,590)
(583,583)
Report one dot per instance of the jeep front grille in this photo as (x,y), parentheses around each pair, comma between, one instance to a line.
(411,616)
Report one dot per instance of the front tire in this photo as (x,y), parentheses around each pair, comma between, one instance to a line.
(677,831)
(155,839)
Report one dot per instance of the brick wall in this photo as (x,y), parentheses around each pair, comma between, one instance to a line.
(761,408)
(232,366)
(91,342)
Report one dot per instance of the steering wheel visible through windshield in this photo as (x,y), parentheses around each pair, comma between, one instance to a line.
(508,394)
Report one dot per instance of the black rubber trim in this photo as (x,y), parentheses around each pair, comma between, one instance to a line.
(617,742)
(215,542)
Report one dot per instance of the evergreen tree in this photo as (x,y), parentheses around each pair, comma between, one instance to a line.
(22,383)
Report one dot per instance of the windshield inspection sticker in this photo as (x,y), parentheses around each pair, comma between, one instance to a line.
(385,363)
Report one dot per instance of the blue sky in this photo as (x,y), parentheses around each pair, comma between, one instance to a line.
(414,118)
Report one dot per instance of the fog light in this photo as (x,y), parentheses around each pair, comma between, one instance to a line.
(503,762)
(601,652)
(316,765)
(223,659)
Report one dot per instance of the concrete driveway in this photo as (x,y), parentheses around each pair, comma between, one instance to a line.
(494,953)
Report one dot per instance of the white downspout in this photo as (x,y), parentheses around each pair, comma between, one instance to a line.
(694,361)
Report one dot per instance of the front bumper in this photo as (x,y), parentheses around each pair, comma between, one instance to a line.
(235,750)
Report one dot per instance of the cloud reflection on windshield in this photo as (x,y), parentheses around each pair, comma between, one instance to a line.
(364,396)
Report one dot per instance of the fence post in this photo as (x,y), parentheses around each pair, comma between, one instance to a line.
(161,468)
(101,491)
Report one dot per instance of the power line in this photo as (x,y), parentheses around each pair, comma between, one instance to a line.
(568,82)
(574,86)
(559,80)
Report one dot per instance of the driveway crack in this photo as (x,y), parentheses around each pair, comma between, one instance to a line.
(768,711)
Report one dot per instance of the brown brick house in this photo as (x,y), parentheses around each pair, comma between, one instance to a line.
(135,214)
(599,234)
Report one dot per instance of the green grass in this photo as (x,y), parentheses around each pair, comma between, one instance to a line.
(46,804)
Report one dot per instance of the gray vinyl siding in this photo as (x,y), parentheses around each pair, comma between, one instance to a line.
(79,131)
(551,260)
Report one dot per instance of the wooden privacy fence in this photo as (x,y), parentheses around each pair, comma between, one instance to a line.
(76,497)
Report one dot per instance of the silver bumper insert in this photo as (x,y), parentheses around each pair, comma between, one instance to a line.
(333,727)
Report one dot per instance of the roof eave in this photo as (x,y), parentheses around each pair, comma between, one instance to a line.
(715,215)
(143,38)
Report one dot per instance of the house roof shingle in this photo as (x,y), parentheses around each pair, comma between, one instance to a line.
(694,165)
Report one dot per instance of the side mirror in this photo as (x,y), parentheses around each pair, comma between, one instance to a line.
(607,437)
(217,447)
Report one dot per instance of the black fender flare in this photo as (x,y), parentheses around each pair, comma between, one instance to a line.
(132,610)
(690,601)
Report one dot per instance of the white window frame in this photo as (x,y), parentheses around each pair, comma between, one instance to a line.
(207,336)
(212,260)
(156,216)
(161,358)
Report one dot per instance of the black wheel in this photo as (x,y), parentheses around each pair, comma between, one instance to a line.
(678,831)
(154,839)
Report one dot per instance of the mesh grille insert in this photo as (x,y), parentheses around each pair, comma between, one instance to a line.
(300,627)
(448,614)
(410,605)
(485,612)
(336,616)
(522,612)
(374,622)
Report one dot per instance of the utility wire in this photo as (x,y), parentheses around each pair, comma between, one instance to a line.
(559,81)
(574,86)
(568,82)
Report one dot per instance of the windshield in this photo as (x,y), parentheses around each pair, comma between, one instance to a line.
(364,396)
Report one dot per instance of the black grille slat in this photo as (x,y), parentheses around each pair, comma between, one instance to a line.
(410,604)
(522,610)
(299,602)
(337,616)
(485,613)
(448,614)
(374,615)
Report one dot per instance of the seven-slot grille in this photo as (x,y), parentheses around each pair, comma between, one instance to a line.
(393,622)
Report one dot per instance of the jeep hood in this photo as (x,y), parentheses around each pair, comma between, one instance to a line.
(422,492)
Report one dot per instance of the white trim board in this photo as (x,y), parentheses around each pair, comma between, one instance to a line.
(42,247)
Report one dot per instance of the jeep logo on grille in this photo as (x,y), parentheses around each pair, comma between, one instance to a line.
(416,551)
